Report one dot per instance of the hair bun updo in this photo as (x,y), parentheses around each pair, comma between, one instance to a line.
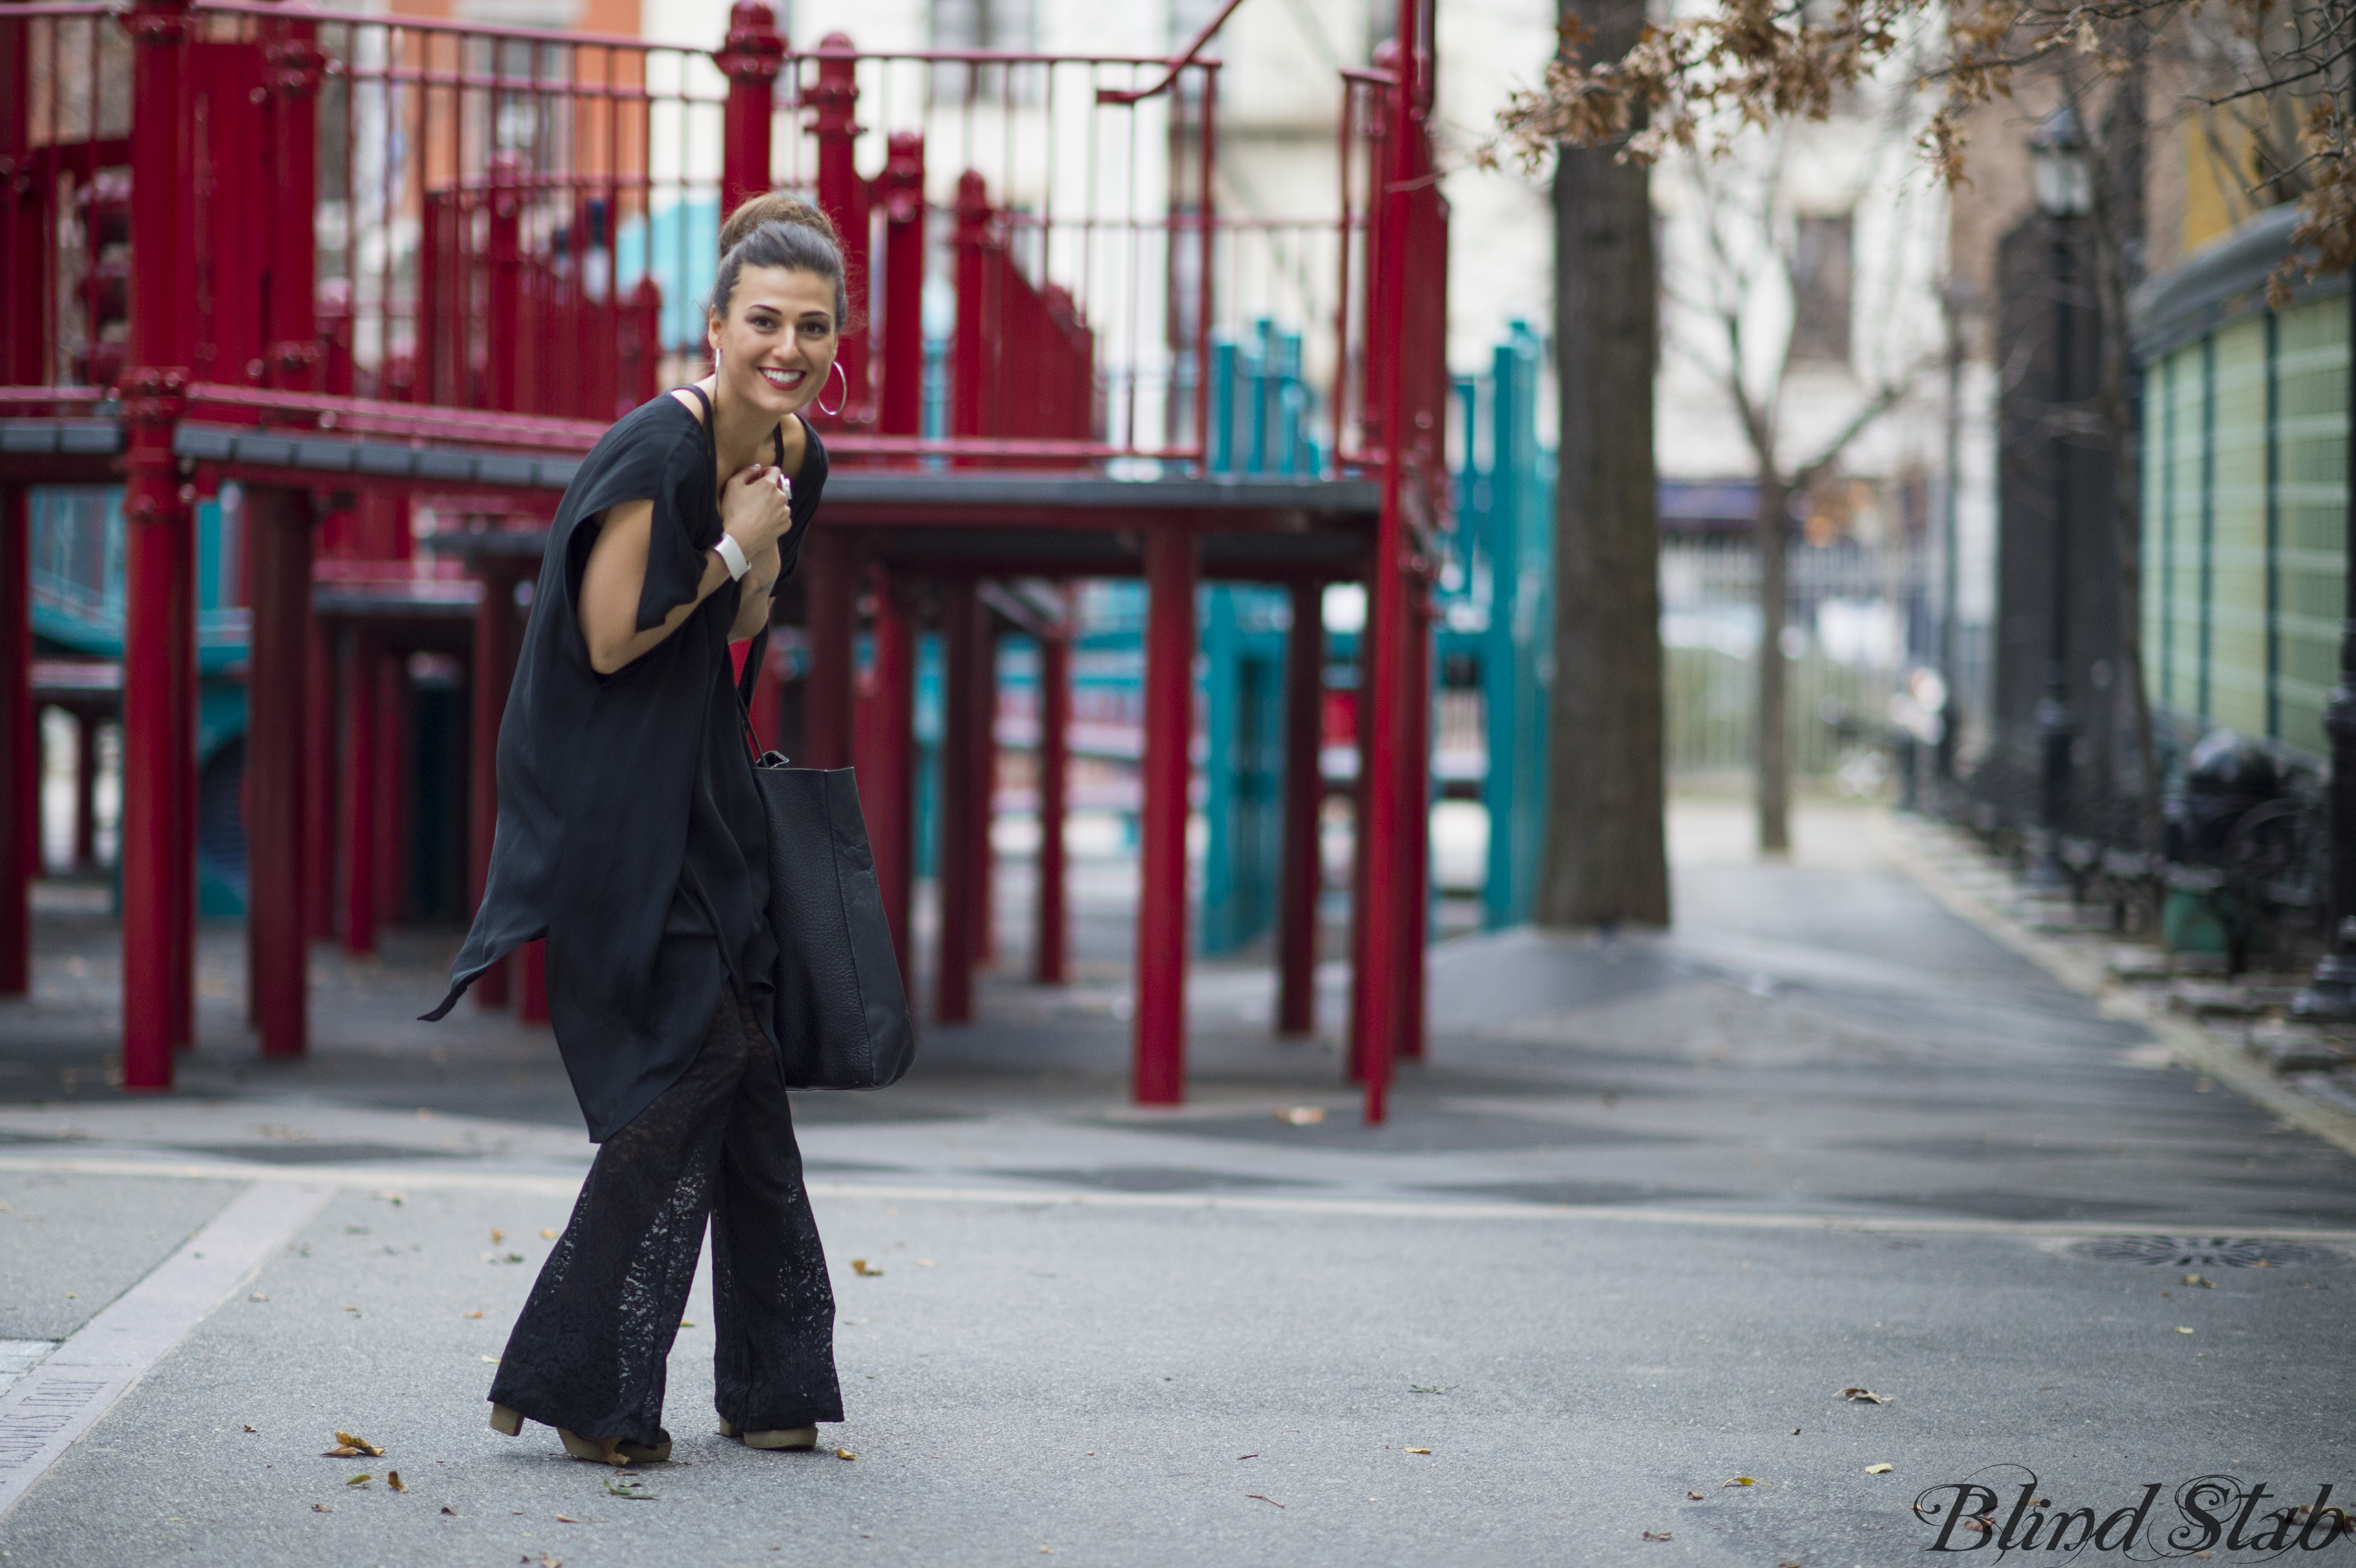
(775,229)
(774,207)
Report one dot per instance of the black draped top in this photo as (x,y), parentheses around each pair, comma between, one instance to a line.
(630,830)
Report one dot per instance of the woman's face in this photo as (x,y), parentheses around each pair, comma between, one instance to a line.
(777,342)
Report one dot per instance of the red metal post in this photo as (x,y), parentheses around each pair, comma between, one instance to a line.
(1301,875)
(1382,826)
(503,306)
(962,640)
(320,796)
(361,734)
(1051,945)
(831,685)
(1415,824)
(279,591)
(293,66)
(183,640)
(1361,975)
(495,642)
(900,190)
(389,824)
(887,756)
(977,337)
(1171,566)
(532,1007)
(159,652)
(750,58)
(834,103)
(20,760)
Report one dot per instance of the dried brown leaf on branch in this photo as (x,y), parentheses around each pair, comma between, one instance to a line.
(1704,78)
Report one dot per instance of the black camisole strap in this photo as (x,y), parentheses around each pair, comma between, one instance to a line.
(776,434)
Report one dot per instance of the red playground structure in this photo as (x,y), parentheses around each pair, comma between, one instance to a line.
(390,278)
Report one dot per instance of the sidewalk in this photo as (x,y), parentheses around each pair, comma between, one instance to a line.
(1649,1207)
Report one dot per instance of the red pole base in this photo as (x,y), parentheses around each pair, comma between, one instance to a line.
(1171,570)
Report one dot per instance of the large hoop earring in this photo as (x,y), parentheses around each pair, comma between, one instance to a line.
(833,370)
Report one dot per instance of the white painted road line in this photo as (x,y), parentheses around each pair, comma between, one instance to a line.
(46,1411)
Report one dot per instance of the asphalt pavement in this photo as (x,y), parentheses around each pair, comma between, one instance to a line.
(1593,1296)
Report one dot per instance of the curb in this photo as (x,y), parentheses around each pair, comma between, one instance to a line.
(1909,845)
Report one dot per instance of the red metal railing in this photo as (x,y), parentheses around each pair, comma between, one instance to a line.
(521,223)
(424,232)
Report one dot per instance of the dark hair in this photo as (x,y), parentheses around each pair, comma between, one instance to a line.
(776,229)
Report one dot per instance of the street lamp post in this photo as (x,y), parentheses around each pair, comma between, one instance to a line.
(2064,190)
(2330,995)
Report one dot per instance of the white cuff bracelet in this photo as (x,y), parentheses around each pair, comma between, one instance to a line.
(732,556)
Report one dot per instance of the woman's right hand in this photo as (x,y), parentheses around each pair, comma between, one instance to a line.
(755,509)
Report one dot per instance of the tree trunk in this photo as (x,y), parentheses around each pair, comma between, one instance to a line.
(2119,233)
(1773,748)
(1605,858)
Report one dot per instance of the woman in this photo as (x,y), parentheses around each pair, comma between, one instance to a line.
(631,837)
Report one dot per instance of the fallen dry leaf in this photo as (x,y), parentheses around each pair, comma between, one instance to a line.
(362,1444)
(1415,1450)
(687,1322)
(1430,1388)
(547,1235)
(859,1267)
(470,1315)
(548,1560)
(393,1478)
(1264,1497)
(844,1454)
(1662,1536)
(1301,1115)
(362,1480)
(1863,1396)
(566,1519)
(1880,1469)
(1740,1481)
(253,1428)
(2203,1284)
(493,1360)
(1696,1496)
(2184,1331)
(321,1508)
(498,1236)
(1789,1563)
(451,1511)
(343,1451)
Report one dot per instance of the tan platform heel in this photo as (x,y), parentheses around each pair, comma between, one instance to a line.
(792,1439)
(507,1423)
(611,1450)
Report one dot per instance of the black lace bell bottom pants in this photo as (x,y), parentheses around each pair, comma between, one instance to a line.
(591,1351)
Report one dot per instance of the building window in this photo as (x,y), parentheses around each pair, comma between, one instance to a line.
(982,24)
(1820,288)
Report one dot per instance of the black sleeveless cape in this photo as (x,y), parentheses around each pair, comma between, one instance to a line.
(610,786)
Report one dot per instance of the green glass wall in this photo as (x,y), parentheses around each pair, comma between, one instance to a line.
(2245,522)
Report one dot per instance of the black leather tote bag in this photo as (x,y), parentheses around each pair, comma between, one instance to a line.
(841,1010)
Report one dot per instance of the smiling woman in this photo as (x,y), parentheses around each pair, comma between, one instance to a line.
(631,837)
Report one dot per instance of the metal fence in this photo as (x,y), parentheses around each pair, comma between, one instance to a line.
(1845,647)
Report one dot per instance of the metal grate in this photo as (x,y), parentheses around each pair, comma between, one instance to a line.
(2212,1251)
